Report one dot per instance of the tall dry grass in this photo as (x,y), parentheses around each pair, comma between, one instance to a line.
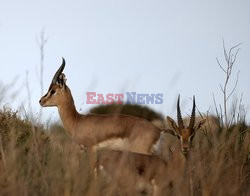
(35,161)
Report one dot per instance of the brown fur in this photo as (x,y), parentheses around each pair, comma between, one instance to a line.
(136,171)
(90,130)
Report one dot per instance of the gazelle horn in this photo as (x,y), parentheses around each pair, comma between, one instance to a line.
(192,118)
(58,73)
(179,118)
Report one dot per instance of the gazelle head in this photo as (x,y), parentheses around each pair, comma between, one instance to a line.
(57,93)
(185,134)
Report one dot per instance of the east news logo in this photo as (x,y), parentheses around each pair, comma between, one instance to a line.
(128,97)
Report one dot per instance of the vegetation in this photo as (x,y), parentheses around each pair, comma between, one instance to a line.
(34,161)
(128,109)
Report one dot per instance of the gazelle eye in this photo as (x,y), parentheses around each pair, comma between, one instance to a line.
(52,92)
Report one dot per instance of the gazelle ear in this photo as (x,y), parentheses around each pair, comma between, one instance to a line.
(62,80)
(172,123)
(199,124)
(170,131)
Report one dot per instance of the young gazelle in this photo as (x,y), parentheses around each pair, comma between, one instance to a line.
(115,131)
(185,134)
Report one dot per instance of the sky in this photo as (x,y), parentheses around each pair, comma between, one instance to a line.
(115,46)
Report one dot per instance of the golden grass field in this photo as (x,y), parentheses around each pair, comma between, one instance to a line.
(37,161)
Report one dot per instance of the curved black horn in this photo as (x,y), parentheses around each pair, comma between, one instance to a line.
(179,118)
(59,71)
(192,118)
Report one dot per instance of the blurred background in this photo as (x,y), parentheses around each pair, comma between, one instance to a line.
(110,46)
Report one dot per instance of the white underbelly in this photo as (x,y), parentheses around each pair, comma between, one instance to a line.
(157,147)
(114,144)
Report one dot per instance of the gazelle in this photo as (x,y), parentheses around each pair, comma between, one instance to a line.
(113,131)
(185,134)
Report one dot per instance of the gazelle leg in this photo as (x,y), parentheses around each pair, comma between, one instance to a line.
(156,190)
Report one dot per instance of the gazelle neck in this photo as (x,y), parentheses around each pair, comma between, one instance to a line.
(186,155)
(68,112)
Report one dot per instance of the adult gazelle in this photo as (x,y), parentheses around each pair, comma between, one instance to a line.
(113,131)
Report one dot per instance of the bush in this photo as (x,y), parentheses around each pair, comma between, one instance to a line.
(128,109)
